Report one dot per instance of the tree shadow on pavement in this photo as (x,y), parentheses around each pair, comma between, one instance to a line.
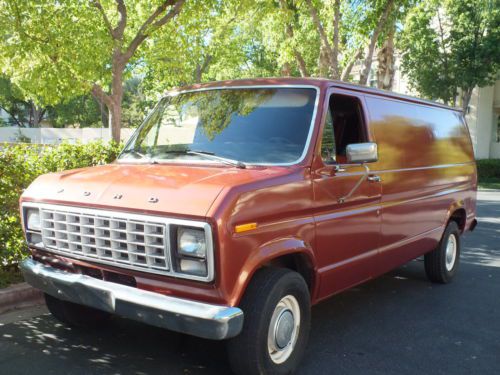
(398,323)
(123,347)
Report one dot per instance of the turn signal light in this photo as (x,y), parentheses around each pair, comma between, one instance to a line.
(245,227)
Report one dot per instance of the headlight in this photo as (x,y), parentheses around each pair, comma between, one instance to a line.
(33,226)
(33,219)
(191,251)
(191,242)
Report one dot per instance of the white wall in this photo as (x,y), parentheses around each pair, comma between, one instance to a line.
(482,120)
(58,135)
(495,145)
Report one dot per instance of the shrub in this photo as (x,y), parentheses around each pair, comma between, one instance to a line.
(20,165)
(488,169)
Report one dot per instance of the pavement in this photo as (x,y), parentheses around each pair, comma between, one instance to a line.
(399,323)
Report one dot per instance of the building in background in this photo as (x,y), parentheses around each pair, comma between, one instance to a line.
(483,118)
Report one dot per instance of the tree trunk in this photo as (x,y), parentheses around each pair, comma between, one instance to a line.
(35,115)
(347,70)
(336,40)
(121,56)
(197,73)
(466,95)
(327,49)
(115,121)
(373,42)
(301,64)
(324,62)
(286,71)
(385,71)
(116,98)
(202,68)
(102,110)
(290,33)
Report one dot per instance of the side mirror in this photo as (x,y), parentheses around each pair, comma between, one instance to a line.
(362,152)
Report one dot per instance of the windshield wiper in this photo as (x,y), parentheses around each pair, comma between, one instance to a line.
(141,155)
(209,155)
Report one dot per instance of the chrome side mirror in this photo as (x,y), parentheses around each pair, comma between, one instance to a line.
(362,152)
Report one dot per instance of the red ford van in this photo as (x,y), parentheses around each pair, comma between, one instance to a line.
(237,205)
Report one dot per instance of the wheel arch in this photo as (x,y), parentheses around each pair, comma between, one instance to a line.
(458,215)
(291,253)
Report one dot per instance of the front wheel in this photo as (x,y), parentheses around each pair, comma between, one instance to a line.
(276,325)
(441,264)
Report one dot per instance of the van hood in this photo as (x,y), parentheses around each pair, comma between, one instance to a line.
(179,190)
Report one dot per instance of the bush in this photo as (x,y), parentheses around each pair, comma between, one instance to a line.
(488,169)
(20,165)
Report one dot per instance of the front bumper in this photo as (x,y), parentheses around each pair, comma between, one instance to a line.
(191,317)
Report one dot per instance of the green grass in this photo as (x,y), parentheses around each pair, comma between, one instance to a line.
(10,275)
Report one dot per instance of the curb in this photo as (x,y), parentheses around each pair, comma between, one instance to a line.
(18,296)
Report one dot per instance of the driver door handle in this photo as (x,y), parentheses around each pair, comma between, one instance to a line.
(374,178)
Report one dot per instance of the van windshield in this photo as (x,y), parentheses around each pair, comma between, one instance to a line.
(249,125)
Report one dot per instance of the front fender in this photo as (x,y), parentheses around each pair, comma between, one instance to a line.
(270,251)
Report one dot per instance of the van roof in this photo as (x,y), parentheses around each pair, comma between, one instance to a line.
(318,82)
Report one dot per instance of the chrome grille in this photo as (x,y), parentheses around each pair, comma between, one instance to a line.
(113,239)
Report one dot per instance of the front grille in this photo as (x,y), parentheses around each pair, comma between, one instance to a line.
(116,238)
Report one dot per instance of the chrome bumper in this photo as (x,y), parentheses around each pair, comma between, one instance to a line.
(194,318)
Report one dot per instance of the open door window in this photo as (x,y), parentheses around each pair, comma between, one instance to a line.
(344,126)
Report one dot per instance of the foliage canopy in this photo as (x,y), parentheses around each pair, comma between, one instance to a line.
(450,47)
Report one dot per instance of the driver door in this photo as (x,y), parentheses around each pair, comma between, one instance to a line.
(347,199)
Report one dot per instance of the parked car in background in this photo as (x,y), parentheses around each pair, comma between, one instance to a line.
(237,205)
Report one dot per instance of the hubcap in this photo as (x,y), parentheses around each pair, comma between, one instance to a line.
(451,252)
(283,329)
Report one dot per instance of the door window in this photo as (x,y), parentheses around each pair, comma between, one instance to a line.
(343,126)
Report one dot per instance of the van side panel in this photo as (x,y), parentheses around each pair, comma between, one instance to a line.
(426,164)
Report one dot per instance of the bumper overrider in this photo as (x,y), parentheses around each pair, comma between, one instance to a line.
(181,315)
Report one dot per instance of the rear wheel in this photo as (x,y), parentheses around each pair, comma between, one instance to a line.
(441,264)
(75,315)
(276,324)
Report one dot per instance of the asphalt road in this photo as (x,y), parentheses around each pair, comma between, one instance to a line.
(397,324)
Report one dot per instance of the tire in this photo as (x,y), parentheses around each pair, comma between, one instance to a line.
(75,315)
(274,298)
(439,267)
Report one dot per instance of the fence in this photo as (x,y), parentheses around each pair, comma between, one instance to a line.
(58,135)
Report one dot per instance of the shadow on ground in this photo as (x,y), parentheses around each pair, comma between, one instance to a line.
(399,323)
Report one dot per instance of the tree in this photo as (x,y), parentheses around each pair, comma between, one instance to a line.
(78,47)
(386,67)
(451,47)
(326,38)
(22,112)
(81,111)
(379,16)
(216,40)
(475,38)
(386,55)
(136,103)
